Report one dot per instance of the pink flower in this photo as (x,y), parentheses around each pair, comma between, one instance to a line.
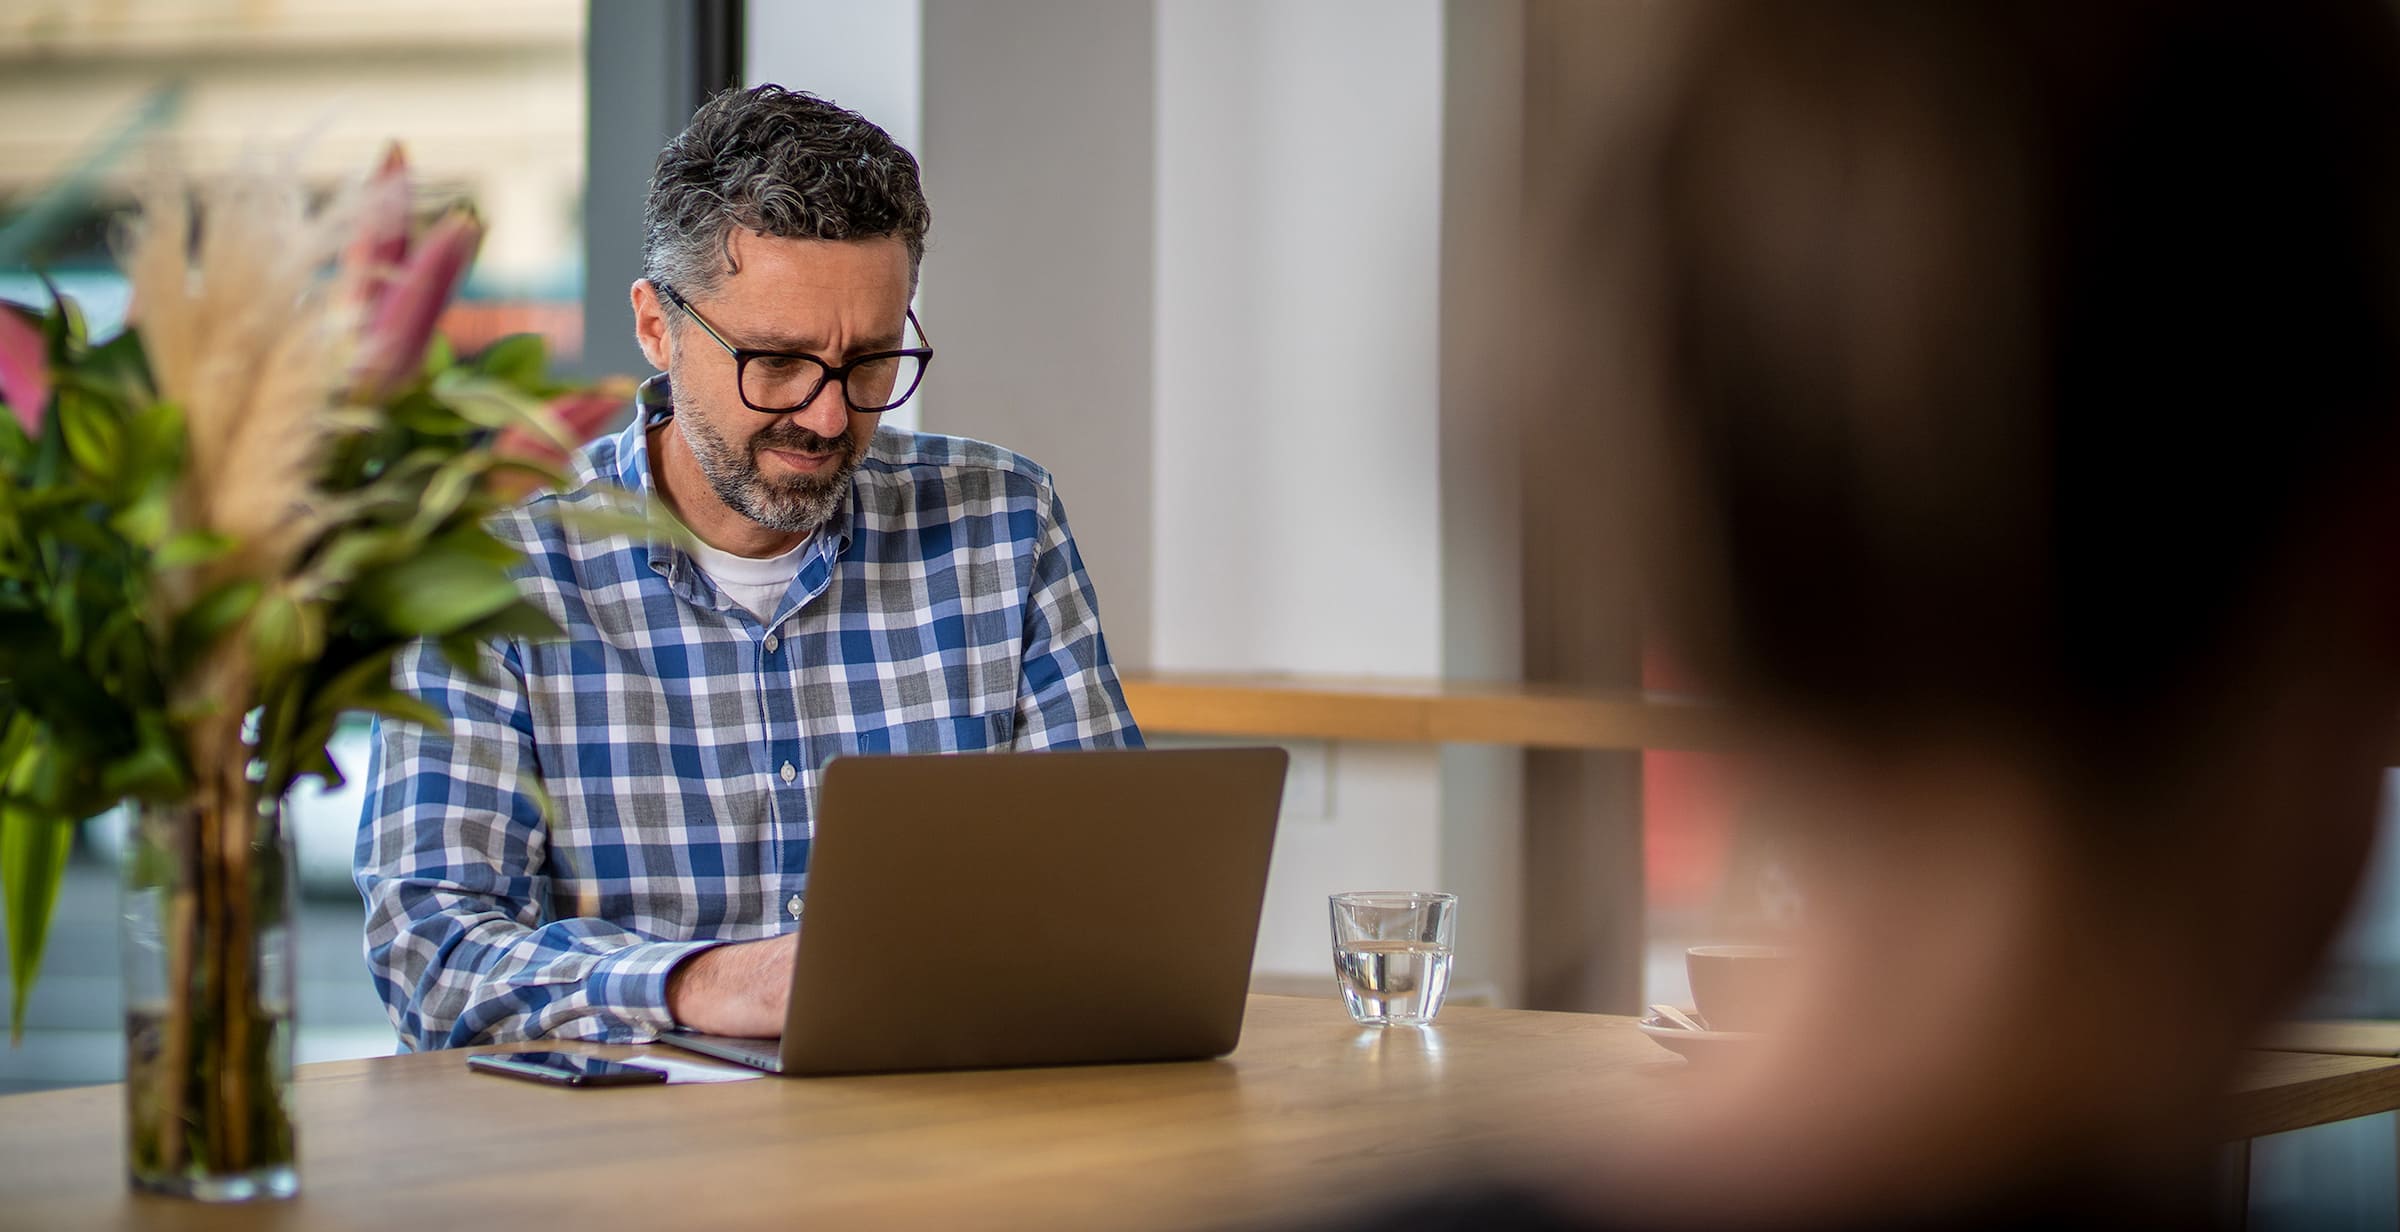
(402,319)
(24,368)
(583,412)
(381,242)
(579,416)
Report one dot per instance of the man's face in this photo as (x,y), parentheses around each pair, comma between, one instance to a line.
(832,299)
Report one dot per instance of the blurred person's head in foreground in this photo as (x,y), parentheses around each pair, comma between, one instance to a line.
(2012,391)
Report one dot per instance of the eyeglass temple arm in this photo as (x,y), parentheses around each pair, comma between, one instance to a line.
(675,297)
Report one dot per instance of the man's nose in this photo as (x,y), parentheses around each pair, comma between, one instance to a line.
(827,414)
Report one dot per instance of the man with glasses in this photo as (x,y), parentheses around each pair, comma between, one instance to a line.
(612,836)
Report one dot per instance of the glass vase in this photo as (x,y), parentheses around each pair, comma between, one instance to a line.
(209,967)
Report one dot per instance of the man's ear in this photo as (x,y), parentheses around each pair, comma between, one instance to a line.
(650,323)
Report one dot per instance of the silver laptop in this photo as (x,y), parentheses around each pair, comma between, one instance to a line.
(982,910)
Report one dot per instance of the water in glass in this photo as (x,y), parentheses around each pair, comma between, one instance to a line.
(1392,983)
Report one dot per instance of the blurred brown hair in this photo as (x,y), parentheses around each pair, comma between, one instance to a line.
(2006,396)
(2007,371)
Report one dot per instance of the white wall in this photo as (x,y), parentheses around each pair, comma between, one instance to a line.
(863,54)
(1296,460)
(1038,139)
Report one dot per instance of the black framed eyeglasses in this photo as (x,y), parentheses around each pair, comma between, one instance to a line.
(780,382)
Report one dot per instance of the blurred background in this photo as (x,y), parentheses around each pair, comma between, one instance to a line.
(1237,271)
(487,98)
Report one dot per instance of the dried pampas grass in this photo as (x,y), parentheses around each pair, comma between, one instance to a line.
(250,332)
(250,325)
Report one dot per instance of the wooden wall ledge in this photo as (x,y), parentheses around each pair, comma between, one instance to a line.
(1422,712)
(1398,711)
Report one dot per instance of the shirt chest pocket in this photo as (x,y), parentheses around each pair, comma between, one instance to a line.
(966,733)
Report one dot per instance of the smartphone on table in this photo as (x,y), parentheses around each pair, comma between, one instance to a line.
(566,1069)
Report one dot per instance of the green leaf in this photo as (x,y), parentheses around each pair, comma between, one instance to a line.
(472,540)
(148,773)
(449,488)
(487,403)
(94,438)
(79,531)
(545,474)
(519,619)
(284,632)
(65,323)
(611,519)
(332,698)
(315,760)
(214,613)
(144,521)
(49,453)
(66,616)
(366,687)
(438,592)
(439,357)
(32,772)
(17,734)
(191,547)
(518,359)
(465,652)
(120,366)
(33,856)
(392,704)
(154,445)
(350,552)
(121,647)
(427,417)
(16,448)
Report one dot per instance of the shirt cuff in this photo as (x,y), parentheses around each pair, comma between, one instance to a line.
(631,984)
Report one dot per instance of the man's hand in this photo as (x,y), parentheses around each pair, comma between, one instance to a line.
(734,989)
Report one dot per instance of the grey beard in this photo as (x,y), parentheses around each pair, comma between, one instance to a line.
(796,506)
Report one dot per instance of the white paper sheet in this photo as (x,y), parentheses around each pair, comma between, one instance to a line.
(692,1069)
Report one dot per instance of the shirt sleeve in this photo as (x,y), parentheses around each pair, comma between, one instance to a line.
(1068,697)
(451,857)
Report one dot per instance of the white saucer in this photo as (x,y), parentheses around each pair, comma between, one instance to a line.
(1697,1047)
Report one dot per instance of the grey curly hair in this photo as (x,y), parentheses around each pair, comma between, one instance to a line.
(777,162)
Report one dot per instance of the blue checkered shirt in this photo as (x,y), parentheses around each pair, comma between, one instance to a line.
(680,739)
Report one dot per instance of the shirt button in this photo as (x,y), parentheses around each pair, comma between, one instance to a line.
(794,906)
(773,642)
(788,773)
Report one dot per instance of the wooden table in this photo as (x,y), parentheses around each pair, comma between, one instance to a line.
(1311,1116)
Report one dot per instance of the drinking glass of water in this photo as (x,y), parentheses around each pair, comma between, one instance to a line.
(1391,954)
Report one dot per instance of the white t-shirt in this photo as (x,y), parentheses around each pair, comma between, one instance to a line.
(757,585)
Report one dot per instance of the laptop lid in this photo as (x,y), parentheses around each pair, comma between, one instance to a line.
(980,910)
